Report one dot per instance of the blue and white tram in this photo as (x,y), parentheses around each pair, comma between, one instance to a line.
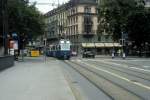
(61,50)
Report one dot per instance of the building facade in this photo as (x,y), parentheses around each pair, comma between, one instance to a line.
(77,21)
(147,3)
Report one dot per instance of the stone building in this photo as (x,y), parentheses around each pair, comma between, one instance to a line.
(77,21)
(147,3)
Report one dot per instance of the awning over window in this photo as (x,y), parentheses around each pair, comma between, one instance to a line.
(88,45)
(117,45)
(100,45)
(109,45)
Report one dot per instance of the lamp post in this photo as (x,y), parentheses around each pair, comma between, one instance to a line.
(146,49)
(123,40)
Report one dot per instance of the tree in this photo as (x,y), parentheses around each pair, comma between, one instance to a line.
(24,18)
(138,27)
(113,15)
(1,24)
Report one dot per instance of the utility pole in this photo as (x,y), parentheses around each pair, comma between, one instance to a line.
(5,25)
(45,45)
(123,40)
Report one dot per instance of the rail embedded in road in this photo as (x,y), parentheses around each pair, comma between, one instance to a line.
(112,89)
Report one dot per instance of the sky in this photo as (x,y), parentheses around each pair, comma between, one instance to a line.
(47,7)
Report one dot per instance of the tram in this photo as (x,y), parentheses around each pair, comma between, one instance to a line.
(60,50)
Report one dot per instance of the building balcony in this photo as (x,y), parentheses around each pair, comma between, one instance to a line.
(88,34)
(52,37)
(88,23)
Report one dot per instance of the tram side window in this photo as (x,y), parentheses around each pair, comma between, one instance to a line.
(53,48)
(59,47)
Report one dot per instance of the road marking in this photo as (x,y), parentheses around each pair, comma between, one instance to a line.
(146,66)
(140,69)
(120,65)
(112,63)
(126,66)
(118,76)
(123,65)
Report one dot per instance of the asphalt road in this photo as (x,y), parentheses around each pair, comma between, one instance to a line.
(87,90)
(84,79)
(130,75)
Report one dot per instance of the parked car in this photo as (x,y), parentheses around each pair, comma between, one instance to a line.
(88,54)
(74,53)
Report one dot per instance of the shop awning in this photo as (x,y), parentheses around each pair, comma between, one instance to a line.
(99,45)
(88,45)
(117,45)
(109,45)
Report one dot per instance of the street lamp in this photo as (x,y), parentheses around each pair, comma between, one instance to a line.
(146,49)
(123,42)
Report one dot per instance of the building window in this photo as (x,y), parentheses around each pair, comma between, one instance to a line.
(87,9)
(76,10)
(99,38)
(97,1)
(97,10)
(74,30)
(88,24)
(73,11)
(77,29)
(76,18)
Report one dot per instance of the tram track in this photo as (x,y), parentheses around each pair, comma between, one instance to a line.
(142,91)
(131,67)
(137,66)
(116,92)
(129,72)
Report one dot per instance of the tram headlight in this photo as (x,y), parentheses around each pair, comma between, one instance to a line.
(68,42)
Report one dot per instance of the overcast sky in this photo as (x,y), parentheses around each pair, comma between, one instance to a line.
(47,7)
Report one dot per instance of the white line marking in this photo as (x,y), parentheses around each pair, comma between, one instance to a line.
(140,69)
(123,65)
(146,66)
(118,76)
(126,66)
(112,63)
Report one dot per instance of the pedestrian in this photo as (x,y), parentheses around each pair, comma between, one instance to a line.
(113,54)
(124,55)
(119,52)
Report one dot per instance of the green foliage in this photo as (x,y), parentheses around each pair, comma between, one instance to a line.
(138,27)
(129,16)
(113,15)
(24,18)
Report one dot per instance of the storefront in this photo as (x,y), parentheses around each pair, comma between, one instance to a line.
(101,48)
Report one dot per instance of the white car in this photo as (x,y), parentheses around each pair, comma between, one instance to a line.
(74,53)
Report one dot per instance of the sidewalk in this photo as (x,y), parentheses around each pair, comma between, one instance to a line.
(34,79)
